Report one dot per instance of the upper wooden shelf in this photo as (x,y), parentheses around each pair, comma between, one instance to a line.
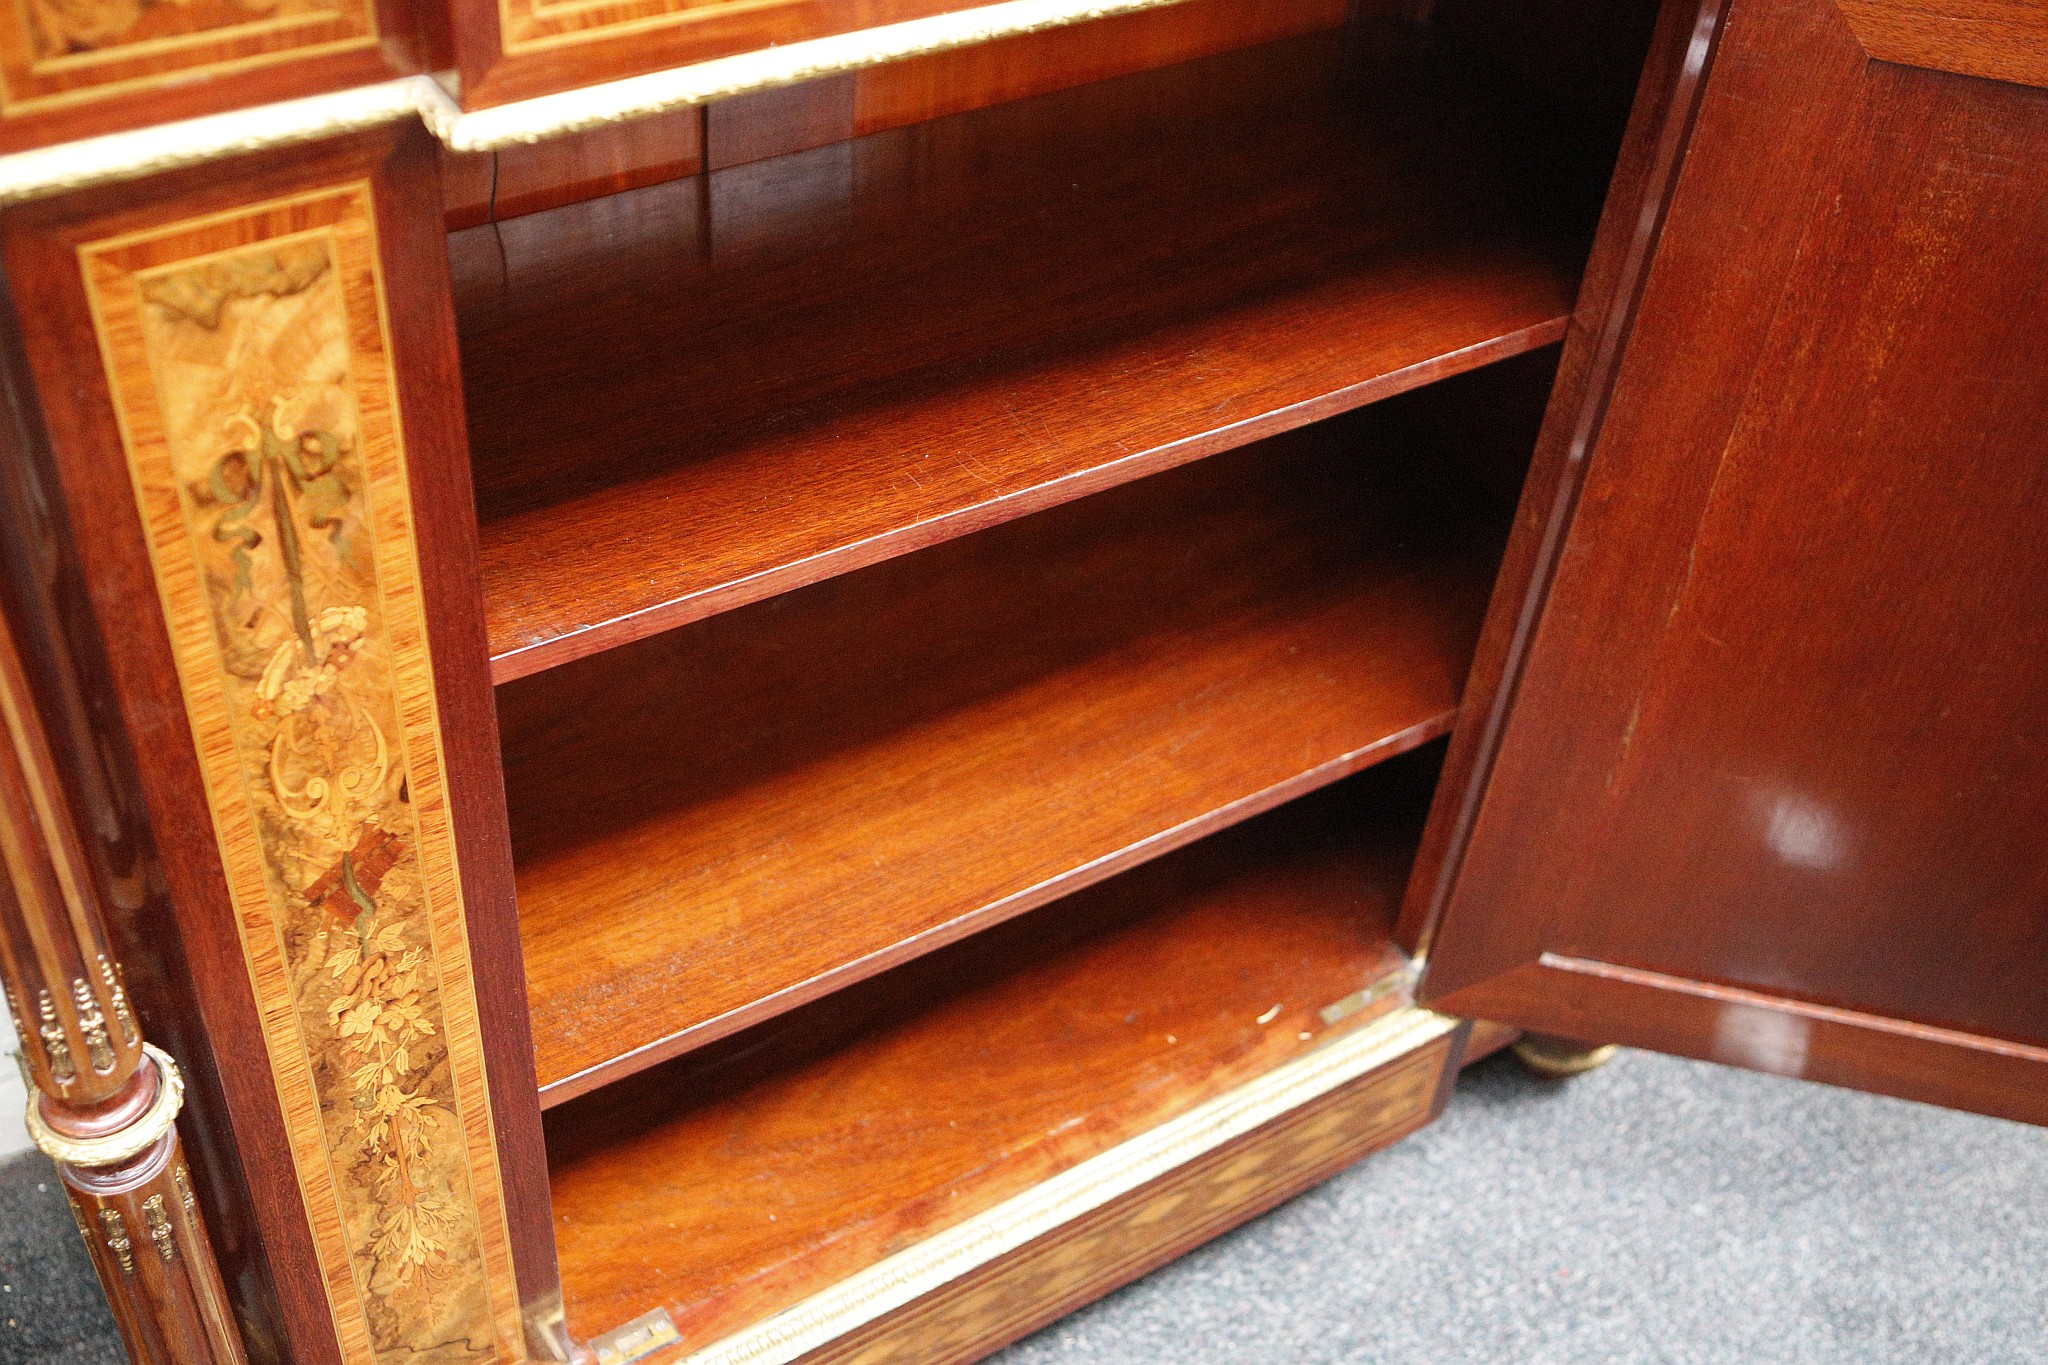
(722,822)
(738,1180)
(702,393)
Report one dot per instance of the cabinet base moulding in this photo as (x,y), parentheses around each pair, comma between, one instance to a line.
(1001,1274)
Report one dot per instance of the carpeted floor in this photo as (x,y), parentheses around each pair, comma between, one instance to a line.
(1653,1211)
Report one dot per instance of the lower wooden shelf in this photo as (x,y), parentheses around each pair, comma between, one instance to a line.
(719,823)
(921,1114)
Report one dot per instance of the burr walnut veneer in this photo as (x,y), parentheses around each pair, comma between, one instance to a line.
(797,681)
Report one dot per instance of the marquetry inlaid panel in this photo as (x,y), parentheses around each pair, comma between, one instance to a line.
(1124,1239)
(250,361)
(2001,40)
(55,53)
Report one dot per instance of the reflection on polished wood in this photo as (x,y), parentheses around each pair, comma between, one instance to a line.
(771,1165)
(249,363)
(897,94)
(952,325)
(1774,742)
(724,821)
(103,1104)
(975,561)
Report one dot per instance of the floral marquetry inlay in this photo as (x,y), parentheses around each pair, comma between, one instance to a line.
(250,363)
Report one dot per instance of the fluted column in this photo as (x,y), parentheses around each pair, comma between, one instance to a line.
(103,1104)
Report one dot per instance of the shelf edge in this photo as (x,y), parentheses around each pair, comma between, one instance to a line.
(938,1260)
(513,662)
(1153,846)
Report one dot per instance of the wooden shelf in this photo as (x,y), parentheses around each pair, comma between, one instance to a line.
(721,822)
(698,394)
(748,1175)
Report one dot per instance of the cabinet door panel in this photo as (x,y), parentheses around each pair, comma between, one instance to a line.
(1772,786)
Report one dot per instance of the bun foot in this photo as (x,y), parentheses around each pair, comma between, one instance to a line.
(1555,1059)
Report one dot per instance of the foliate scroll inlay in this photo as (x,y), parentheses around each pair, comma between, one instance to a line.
(251,364)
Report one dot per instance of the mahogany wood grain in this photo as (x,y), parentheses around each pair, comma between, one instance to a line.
(156,63)
(742,1178)
(789,118)
(901,93)
(204,1001)
(896,94)
(1487,1038)
(79,860)
(2002,40)
(723,821)
(699,394)
(551,46)
(1645,171)
(1776,732)
(466,187)
(1766,1031)
(1134,1235)
(484,187)
(617,157)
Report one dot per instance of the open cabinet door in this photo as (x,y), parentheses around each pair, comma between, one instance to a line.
(1756,761)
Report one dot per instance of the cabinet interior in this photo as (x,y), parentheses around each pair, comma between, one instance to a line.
(974,608)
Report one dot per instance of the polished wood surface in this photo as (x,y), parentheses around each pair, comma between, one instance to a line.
(1143,1230)
(1771,772)
(516,49)
(79,70)
(2003,40)
(615,157)
(248,1146)
(721,822)
(485,187)
(740,1179)
(48,599)
(1767,1031)
(1645,171)
(897,94)
(287,574)
(1488,1038)
(102,1106)
(900,93)
(952,325)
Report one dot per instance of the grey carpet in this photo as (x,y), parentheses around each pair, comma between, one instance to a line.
(51,1308)
(1653,1211)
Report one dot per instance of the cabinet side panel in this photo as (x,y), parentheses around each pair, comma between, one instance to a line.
(240,382)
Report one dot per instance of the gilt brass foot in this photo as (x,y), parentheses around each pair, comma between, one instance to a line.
(1555,1059)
